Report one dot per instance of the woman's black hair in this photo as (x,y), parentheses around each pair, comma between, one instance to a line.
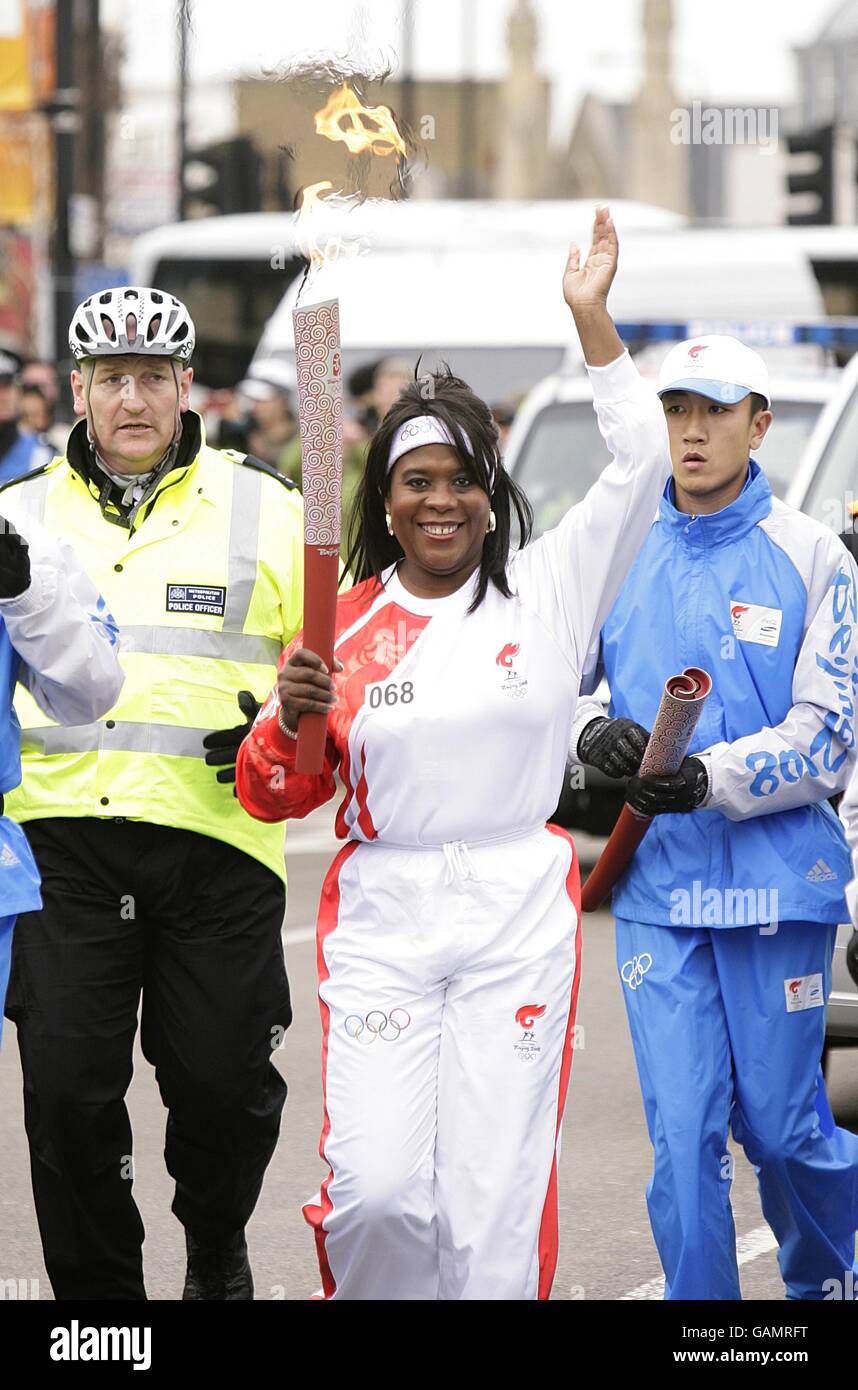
(450,400)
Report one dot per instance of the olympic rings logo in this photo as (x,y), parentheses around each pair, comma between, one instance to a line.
(388,1027)
(634,970)
(414,428)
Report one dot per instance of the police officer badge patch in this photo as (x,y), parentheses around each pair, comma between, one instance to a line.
(197,598)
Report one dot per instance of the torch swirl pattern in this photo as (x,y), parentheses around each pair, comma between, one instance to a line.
(320,413)
(681,706)
(678,713)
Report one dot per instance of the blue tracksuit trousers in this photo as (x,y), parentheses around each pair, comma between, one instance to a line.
(717,1045)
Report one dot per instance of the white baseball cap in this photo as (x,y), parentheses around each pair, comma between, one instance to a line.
(716,366)
(269,379)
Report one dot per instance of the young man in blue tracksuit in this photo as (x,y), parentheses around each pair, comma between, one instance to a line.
(58,639)
(727,914)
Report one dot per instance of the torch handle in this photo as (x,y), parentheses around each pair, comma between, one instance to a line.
(321,576)
(680,708)
(624,839)
(318,365)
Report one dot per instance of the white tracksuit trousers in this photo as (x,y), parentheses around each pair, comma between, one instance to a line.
(448,987)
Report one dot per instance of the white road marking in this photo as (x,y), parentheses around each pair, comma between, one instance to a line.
(757,1242)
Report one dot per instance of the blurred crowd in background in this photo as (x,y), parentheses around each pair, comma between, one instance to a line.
(257,416)
(30,430)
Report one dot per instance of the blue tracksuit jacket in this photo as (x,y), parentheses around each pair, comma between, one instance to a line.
(764,598)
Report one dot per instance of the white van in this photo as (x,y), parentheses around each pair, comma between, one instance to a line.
(826,486)
(493,308)
(232,272)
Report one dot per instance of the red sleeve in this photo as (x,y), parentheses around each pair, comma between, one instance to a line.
(267,784)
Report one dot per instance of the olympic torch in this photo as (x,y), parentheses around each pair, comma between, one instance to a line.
(318,366)
(681,706)
(320,418)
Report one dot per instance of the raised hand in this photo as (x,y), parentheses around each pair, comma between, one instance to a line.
(586,286)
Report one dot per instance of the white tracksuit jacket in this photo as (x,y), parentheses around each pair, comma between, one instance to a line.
(58,639)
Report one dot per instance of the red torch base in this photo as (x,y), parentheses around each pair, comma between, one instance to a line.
(321,576)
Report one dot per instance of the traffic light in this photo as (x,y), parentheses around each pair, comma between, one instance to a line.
(817,180)
(227,176)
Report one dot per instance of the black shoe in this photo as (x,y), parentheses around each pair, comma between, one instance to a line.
(218,1271)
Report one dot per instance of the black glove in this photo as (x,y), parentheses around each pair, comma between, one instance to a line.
(225,743)
(852,956)
(614,746)
(14,561)
(684,790)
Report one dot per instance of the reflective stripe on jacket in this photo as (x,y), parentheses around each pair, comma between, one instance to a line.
(207,589)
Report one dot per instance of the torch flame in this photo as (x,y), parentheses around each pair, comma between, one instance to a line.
(316,239)
(311,197)
(361,127)
(305,234)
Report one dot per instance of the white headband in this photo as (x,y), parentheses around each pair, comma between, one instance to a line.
(425,429)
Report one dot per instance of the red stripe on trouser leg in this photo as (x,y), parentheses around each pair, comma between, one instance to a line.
(329,911)
(361,792)
(548,1226)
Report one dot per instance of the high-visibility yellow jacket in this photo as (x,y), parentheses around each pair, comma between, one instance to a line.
(205,580)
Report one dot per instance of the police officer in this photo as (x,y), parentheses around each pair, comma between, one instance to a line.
(155,880)
(58,639)
(20,452)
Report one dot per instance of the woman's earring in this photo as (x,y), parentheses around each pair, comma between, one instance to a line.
(493,521)
(389,523)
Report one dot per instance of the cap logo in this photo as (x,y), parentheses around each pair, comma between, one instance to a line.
(694,352)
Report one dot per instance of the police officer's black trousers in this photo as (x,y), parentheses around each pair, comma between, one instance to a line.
(195,925)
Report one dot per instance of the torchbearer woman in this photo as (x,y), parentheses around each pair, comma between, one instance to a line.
(448,930)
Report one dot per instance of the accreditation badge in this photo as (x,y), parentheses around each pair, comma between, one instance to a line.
(754,623)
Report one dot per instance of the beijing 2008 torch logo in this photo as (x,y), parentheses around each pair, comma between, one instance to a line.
(527,1049)
(513,685)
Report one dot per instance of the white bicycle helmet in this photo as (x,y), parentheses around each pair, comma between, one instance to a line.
(131,319)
